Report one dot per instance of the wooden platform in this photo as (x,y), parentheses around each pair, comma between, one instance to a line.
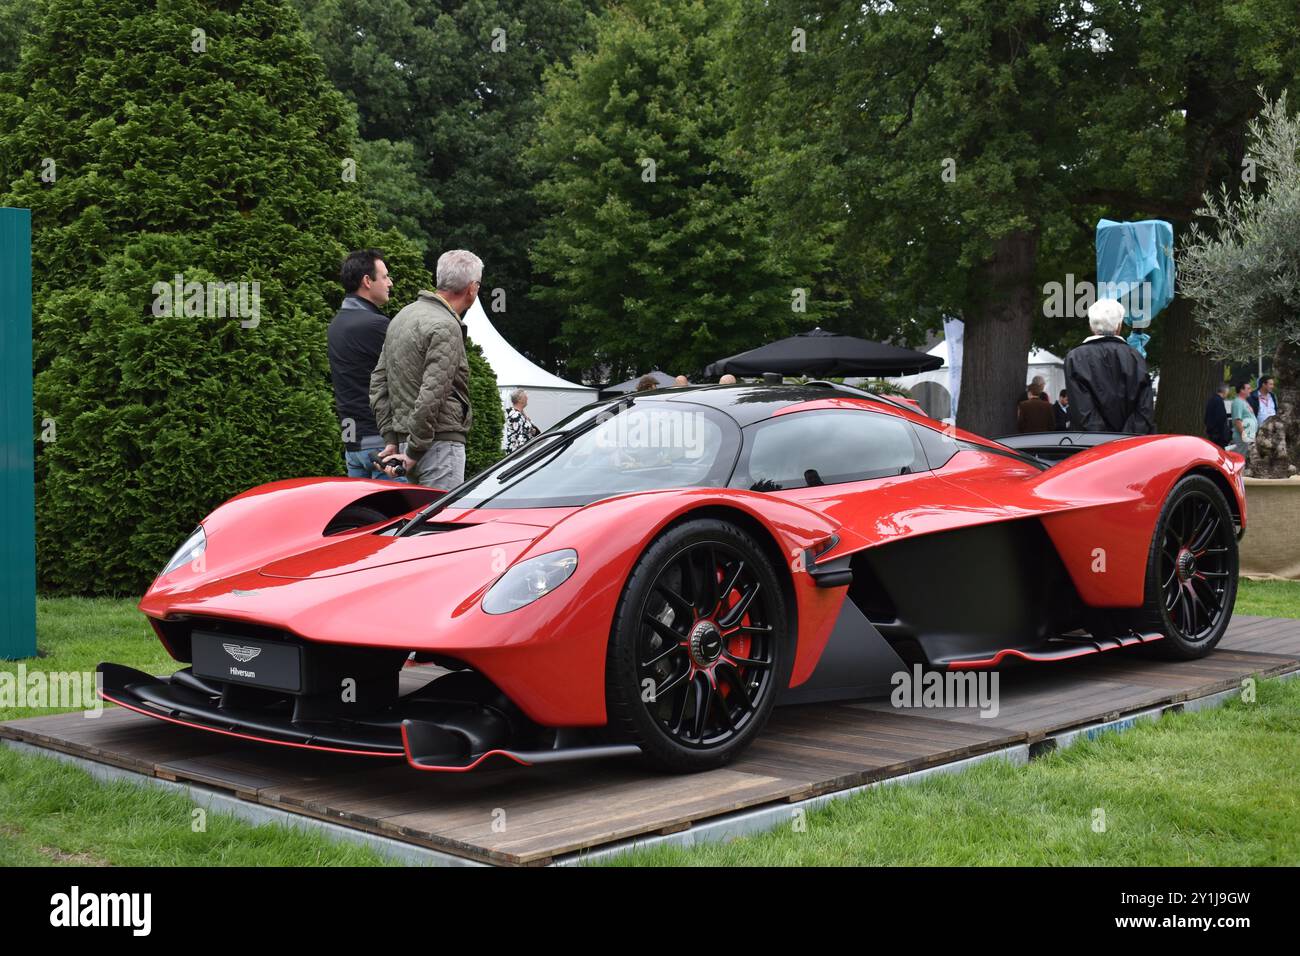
(522,816)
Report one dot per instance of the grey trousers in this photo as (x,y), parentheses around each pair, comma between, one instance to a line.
(442,466)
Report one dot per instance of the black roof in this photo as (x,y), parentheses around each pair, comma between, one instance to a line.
(748,403)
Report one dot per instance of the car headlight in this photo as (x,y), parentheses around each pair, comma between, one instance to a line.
(528,580)
(193,547)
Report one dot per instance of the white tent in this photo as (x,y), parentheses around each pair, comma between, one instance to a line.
(932,390)
(550,398)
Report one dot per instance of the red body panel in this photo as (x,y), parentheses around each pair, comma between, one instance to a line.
(262,524)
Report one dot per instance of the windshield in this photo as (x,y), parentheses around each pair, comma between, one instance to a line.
(613,450)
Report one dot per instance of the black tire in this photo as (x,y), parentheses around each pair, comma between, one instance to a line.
(693,695)
(1191,575)
(353,517)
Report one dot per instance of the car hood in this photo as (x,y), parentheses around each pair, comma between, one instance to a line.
(362,552)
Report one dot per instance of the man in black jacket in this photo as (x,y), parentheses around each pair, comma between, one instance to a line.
(356,336)
(1218,427)
(1110,390)
(1061,409)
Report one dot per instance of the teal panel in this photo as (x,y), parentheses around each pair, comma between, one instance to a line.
(17,475)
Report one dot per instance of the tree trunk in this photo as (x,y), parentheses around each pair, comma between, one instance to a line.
(1187,377)
(1286,392)
(999,323)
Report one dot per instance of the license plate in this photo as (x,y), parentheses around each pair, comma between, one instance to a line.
(254,662)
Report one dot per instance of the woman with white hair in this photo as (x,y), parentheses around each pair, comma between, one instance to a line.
(1110,390)
(519,427)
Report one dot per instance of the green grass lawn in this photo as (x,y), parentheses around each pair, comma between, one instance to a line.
(1268,598)
(52,813)
(76,634)
(1161,805)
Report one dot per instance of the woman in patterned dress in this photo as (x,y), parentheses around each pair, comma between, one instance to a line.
(519,427)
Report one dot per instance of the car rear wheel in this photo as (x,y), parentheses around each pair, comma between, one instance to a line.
(699,647)
(1191,578)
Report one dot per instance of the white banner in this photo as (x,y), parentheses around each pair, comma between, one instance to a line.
(952,332)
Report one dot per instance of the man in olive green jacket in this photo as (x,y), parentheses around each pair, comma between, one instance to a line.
(419,390)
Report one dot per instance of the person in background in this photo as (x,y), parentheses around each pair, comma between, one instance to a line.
(419,389)
(1042,388)
(519,427)
(1244,422)
(1218,424)
(727,379)
(1110,390)
(1262,401)
(647,383)
(1061,410)
(355,338)
(1033,414)
(681,380)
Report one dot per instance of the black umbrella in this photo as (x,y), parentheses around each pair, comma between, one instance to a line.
(825,353)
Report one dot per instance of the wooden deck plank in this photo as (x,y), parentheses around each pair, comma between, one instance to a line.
(250,770)
(117,736)
(1267,634)
(1269,640)
(604,812)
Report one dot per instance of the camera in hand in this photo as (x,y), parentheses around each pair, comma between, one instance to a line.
(399,469)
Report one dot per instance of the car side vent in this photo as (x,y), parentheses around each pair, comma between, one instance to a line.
(440,527)
(868,592)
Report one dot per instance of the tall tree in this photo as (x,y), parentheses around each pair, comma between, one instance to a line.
(653,247)
(459,81)
(1243,269)
(391,179)
(937,140)
(198,139)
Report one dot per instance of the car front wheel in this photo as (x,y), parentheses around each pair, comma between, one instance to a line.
(699,647)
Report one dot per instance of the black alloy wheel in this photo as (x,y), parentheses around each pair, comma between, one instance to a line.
(699,646)
(1191,578)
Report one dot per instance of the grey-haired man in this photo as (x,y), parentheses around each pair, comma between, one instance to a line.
(420,387)
(1110,390)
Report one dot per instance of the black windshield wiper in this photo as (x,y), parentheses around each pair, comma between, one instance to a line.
(564,438)
(546,446)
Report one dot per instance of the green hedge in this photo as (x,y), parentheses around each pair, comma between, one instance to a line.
(483,447)
(224,164)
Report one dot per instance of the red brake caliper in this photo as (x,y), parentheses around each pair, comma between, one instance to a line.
(736,642)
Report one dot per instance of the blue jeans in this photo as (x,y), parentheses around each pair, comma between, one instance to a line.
(361,465)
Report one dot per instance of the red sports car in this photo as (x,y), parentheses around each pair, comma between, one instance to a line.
(657,572)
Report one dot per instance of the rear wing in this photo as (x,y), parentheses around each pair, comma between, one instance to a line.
(1054,447)
(899,401)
